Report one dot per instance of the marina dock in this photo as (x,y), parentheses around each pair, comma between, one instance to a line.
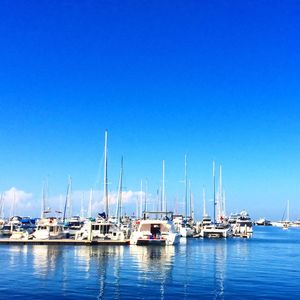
(63,242)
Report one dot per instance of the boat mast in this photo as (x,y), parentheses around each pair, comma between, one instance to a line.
(105,191)
(145,198)
(214,187)
(163,199)
(186,187)
(288,210)
(70,212)
(13,204)
(224,203)
(119,199)
(190,199)
(67,202)
(43,208)
(90,204)
(220,202)
(204,201)
(141,200)
(81,206)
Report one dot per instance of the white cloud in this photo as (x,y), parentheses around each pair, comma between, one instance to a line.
(16,201)
(129,200)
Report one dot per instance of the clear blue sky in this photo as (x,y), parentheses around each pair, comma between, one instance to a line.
(213,79)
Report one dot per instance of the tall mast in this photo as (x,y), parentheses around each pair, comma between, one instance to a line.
(43,208)
(204,201)
(288,210)
(13,204)
(70,204)
(119,199)
(190,199)
(145,198)
(68,200)
(163,199)
(90,204)
(81,206)
(224,203)
(214,187)
(221,212)
(141,200)
(186,187)
(105,191)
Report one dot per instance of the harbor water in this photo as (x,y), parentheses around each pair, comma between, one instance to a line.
(266,266)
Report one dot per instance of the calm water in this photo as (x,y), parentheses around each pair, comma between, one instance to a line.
(266,266)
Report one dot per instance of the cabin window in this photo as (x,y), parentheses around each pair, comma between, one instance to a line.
(104,229)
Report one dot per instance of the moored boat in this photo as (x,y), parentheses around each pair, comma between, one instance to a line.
(155,231)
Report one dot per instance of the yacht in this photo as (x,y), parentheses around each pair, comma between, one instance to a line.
(13,224)
(216,230)
(100,230)
(263,222)
(74,224)
(155,231)
(49,229)
(243,224)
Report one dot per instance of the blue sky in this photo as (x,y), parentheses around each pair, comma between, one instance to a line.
(210,79)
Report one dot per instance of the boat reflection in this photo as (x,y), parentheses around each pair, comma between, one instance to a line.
(154,264)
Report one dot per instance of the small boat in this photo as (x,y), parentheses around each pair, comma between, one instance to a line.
(155,231)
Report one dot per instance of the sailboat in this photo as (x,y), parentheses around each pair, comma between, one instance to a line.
(186,230)
(286,223)
(216,230)
(102,228)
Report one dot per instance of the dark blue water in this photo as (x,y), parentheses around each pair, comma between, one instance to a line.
(266,267)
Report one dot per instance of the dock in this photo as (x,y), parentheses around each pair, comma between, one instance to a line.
(63,242)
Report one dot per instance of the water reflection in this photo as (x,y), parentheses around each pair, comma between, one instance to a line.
(45,259)
(195,269)
(155,264)
(220,264)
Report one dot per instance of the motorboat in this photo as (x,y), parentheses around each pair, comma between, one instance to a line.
(100,229)
(74,224)
(49,229)
(243,224)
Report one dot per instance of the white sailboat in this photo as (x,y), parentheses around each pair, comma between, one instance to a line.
(102,228)
(216,230)
(186,230)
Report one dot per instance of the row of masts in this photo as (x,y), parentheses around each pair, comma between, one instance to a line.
(188,203)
